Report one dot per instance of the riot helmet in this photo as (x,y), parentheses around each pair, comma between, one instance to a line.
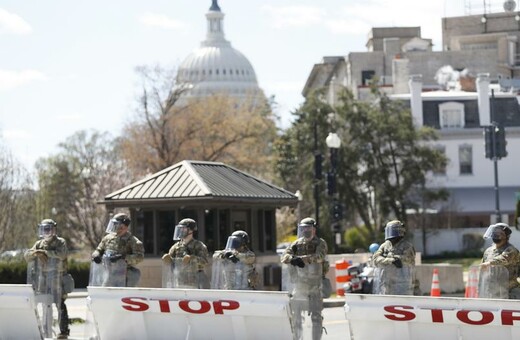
(307,228)
(498,232)
(237,240)
(183,228)
(117,222)
(373,247)
(47,228)
(393,229)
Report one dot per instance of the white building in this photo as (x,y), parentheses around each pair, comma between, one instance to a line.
(486,43)
(216,67)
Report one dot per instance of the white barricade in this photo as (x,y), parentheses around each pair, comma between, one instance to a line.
(162,313)
(18,313)
(388,317)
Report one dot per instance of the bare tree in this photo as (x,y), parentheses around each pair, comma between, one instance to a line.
(169,127)
(17,219)
(71,183)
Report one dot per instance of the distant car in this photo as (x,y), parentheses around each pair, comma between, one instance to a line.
(10,255)
(280,248)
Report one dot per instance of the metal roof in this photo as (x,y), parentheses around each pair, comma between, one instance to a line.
(201,180)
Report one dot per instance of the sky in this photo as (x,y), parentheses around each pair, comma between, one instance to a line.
(69,65)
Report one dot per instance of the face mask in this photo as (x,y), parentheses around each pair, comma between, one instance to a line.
(307,233)
(497,239)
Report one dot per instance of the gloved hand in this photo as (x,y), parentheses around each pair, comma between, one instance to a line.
(398,263)
(97,259)
(388,261)
(41,254)
(297,261)
(233,258)
(116,257)
(167,258)
(186,259)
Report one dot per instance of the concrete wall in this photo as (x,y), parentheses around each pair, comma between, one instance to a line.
(450,276)
(446,240)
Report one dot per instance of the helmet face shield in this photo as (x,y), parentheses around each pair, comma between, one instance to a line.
(46,230)
(305,230)
(114,226)
(496,233)
(233,243)
(181,231)
(394,229)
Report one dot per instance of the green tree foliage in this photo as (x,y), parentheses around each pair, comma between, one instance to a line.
(383,161)
(86,168)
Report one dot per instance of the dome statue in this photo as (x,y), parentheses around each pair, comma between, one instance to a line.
(216,67)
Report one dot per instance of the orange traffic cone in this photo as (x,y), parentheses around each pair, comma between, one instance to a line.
(471,286)
(436,289)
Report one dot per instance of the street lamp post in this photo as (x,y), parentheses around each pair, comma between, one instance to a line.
(333,143)
(317,173)
(298,195)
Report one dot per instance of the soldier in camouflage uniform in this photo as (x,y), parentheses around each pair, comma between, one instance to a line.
(191,250)
(51,246)
(120,244)
(236,251)
(306,250)
(395,253)
(503,253)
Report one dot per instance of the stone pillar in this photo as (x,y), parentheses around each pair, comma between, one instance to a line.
(415,84)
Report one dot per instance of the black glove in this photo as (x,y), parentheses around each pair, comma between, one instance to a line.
(116,257)
(233,258)
(297,261)
(97,259)
(398,263)
(228,254)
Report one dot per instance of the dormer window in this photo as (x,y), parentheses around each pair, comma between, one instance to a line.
(451,115)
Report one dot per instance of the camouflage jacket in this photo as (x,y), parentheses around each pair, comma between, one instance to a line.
(402,250)
(195,248)
(55,247)
(311,251)
(127,245)
(246,256)
(507,256)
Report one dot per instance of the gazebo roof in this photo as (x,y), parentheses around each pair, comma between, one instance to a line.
(199,180)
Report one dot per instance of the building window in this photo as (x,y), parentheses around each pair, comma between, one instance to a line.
(466,159)
(451,115)
(366,77)
(441,171)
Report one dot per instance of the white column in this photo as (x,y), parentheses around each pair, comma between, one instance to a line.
(483,98)
(415,84)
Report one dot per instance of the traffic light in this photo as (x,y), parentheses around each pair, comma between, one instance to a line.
(336,228)
(337,211)
(495,141)
(501,142)
(331,183)
(488,141)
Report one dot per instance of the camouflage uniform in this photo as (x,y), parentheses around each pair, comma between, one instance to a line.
(509,257)
(127,245)
(248,258)
(393,278)
(310,251)
(194,248)
(55,247)
(402,250)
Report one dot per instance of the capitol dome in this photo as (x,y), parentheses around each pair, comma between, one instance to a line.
(216,67)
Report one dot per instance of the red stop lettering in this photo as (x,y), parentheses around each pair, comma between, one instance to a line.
(399,314)
(508,317)
(204,306)
(221,305)
(133,305)
(487,317)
